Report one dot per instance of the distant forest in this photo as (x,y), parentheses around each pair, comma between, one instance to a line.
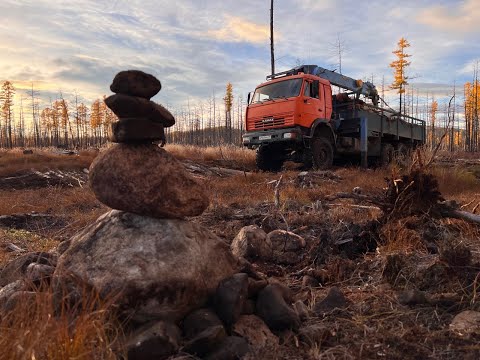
(216,121)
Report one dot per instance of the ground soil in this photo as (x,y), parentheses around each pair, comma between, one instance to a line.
(370,253)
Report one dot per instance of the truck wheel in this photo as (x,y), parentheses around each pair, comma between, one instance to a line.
(322,153)
(387,155)
(269,159)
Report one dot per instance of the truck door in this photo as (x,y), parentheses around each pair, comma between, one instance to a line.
(313,103)
(327,100)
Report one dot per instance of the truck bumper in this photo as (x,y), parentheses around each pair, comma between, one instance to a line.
(253,139)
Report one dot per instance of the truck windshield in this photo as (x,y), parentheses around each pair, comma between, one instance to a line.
(282,89)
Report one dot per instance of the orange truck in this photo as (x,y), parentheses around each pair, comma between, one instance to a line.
(295,116)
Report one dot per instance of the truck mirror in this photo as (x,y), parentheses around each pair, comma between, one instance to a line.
(249,97)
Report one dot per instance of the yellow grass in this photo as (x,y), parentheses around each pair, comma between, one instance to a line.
(39,328)
(15,161)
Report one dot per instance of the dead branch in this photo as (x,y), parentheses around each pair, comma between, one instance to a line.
(354,206)
(359,197)
(277,192)
(463,215)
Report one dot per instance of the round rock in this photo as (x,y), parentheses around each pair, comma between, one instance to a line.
(136,83)
(153,268)
(146,180)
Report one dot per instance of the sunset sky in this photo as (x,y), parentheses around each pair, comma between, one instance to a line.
(196,47)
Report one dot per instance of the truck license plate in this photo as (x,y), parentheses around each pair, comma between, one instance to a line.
(265,137)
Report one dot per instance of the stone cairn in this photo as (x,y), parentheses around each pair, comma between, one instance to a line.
(181,287)
(136,175)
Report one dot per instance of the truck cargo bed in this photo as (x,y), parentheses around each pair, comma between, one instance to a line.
(381,123)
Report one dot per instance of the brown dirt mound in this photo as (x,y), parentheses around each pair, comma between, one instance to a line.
(415,193)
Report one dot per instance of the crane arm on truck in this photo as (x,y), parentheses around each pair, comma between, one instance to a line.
(358,87)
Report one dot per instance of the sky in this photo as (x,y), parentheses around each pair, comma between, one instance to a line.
(196,46)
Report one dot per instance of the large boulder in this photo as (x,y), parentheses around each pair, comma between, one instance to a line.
(136,83)
(161,268)
(146,180)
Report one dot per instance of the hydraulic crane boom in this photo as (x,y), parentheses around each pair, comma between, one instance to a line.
(356,86)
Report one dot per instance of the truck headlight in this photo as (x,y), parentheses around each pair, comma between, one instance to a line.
(290,135)
(246,139)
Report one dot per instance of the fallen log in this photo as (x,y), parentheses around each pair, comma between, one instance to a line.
(37,179)
(463,215)
(31,221)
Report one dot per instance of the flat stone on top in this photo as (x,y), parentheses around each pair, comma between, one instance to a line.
(136,83)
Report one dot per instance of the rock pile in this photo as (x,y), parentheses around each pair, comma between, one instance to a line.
(140,119)
(165,271)
(177,284)
(136,175)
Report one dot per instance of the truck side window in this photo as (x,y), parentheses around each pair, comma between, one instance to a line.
(315,89)
(307,89)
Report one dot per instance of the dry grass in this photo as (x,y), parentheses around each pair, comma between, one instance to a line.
(15,161)
(36,329)
(230,156)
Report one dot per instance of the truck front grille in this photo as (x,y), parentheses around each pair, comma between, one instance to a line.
(268,123)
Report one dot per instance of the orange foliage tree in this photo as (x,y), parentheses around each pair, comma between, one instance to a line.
(399,65)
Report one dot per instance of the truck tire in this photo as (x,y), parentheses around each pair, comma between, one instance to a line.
(322,153)
(269,158)
(387,155)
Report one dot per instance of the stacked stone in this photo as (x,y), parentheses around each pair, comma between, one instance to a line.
(140,119)
(136,175)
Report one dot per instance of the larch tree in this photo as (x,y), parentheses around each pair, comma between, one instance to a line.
(399,66)
(82,115)
(96,119)
(472,110)
(6,97)
(62,109)
(228,99)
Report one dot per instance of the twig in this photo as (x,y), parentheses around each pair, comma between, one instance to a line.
(467,205)
(475,208)
(277,192)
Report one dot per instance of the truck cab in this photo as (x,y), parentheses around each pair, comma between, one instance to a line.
(281,114)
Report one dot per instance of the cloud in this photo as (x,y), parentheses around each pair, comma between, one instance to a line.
(237,29)
(196,47)
(462,18)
